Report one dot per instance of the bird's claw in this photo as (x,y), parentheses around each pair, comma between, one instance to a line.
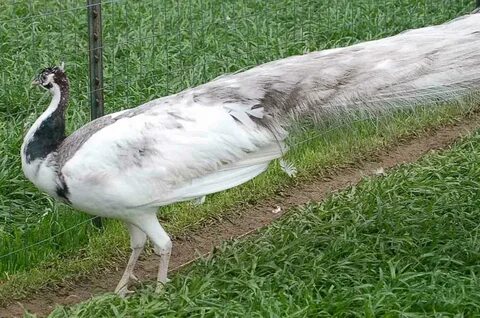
(161,285)
(160,288)
(134,278)
(123,292)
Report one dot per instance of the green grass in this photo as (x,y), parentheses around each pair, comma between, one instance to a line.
(404,245)
(155,48)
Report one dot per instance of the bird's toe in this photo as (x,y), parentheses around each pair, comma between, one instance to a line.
(123,292)
(134,278)
(161,287)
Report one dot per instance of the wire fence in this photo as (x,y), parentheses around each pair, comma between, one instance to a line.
(155,48)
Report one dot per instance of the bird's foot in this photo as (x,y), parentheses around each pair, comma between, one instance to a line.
(134,278)
(161,286)
(123,291)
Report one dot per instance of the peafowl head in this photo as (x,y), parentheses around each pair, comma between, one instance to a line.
(50,76)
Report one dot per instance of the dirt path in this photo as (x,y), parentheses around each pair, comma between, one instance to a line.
(202,241)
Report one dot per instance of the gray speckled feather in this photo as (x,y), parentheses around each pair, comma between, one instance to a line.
(73,142)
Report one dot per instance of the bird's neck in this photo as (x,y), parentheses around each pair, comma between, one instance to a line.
(48,131)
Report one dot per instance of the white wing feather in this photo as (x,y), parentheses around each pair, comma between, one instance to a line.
(205,151)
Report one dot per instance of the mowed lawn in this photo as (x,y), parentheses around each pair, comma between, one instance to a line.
(155,48)
(403,245)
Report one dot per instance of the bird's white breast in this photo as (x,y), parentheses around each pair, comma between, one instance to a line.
(40,173)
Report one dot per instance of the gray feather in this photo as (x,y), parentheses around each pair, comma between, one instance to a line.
(72,143)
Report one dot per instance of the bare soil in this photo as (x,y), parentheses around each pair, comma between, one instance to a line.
(248,219)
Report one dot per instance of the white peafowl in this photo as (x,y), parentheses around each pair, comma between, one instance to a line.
(221,134)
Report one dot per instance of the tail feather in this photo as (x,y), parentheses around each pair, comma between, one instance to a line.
(418,67)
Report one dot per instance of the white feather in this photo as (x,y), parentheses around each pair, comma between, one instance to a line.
(243,112)
(288,168)
(199,200)
(210,148)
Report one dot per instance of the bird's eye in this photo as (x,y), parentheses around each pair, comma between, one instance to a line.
(44,77)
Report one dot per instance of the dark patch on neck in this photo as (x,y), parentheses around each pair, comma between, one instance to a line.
(51,131)
(47,137)
(62,189)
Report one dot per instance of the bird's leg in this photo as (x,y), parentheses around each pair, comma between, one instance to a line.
(162,244)
(137,242)
(164,253)
(122,286)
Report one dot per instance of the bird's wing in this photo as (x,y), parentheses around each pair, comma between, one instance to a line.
(226,177)
(171,152)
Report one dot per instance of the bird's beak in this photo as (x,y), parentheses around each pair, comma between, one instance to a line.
(35,82)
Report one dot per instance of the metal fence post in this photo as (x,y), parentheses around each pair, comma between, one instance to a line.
(95,65)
